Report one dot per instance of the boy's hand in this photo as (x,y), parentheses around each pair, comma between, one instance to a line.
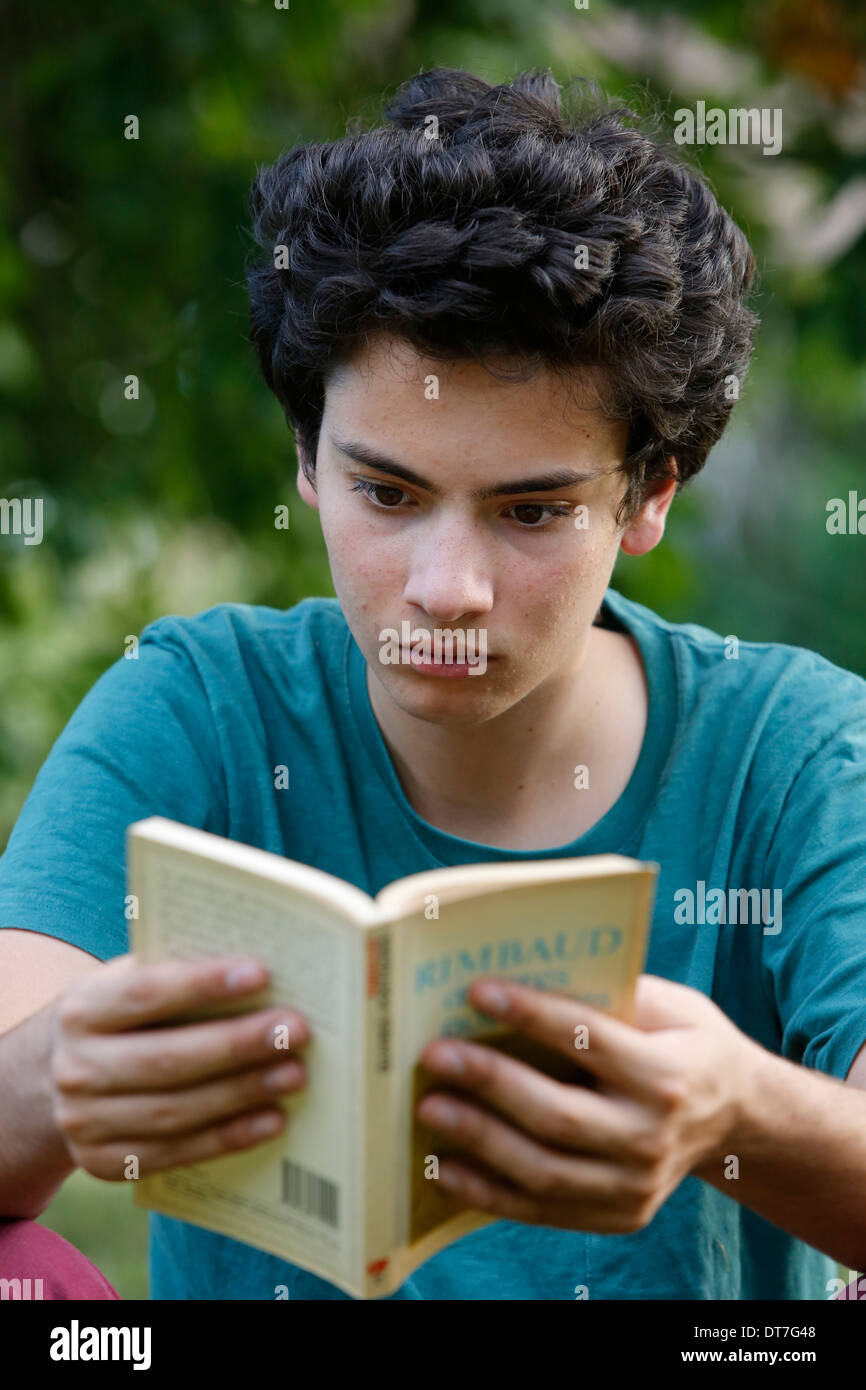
(127,1078)
(669,1091)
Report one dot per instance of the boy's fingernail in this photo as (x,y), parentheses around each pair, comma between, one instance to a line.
(448,1058)
(241,977)
(266,1124)
(283,1076)
(491,997)
(440,1112)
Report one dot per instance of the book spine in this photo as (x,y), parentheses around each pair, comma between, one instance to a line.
(379,1119)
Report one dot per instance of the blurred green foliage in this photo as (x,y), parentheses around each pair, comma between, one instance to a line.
(127,256)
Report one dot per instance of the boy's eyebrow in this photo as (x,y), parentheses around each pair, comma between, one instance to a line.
(552,481)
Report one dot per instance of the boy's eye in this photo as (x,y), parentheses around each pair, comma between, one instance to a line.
(530,514)
(374,491)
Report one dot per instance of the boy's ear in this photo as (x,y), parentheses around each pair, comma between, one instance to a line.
(307,490)
(305,487)
(648,527)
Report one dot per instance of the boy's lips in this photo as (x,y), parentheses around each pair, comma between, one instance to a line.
(408,657)
(430,667)
(454,669)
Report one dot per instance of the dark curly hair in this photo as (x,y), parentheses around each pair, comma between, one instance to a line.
(464,245)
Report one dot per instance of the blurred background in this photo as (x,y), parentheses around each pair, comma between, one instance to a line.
(126,256)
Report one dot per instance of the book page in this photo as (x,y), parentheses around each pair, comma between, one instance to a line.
(408,895)
(298,1195)
(587,938)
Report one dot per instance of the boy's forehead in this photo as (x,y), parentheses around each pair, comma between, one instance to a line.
(515,401)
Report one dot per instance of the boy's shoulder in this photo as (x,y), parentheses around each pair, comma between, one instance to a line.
(702,646)
(310,626)
(763,685)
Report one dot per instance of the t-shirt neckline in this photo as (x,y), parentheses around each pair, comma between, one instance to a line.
(618,828)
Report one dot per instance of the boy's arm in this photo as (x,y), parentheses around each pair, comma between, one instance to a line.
(34,1159)
(801,1146)
(35,968)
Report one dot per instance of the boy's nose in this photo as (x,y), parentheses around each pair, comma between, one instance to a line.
(449,576)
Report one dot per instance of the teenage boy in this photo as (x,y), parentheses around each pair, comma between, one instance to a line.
(503,340)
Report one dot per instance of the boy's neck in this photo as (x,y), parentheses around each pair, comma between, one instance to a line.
(509,781)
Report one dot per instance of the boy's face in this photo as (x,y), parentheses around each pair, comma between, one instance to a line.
(513,566)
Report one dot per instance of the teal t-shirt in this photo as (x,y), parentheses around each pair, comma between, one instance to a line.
(752,775)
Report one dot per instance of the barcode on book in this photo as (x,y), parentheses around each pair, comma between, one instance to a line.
(310,1193)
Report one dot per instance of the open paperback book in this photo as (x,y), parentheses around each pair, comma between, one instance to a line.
(348,1189)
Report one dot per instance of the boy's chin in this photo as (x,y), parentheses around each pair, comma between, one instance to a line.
(459,703)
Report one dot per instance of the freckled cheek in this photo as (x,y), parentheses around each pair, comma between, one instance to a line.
(552,606)
(370,563)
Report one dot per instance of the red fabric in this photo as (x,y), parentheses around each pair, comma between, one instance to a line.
(30,1251)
